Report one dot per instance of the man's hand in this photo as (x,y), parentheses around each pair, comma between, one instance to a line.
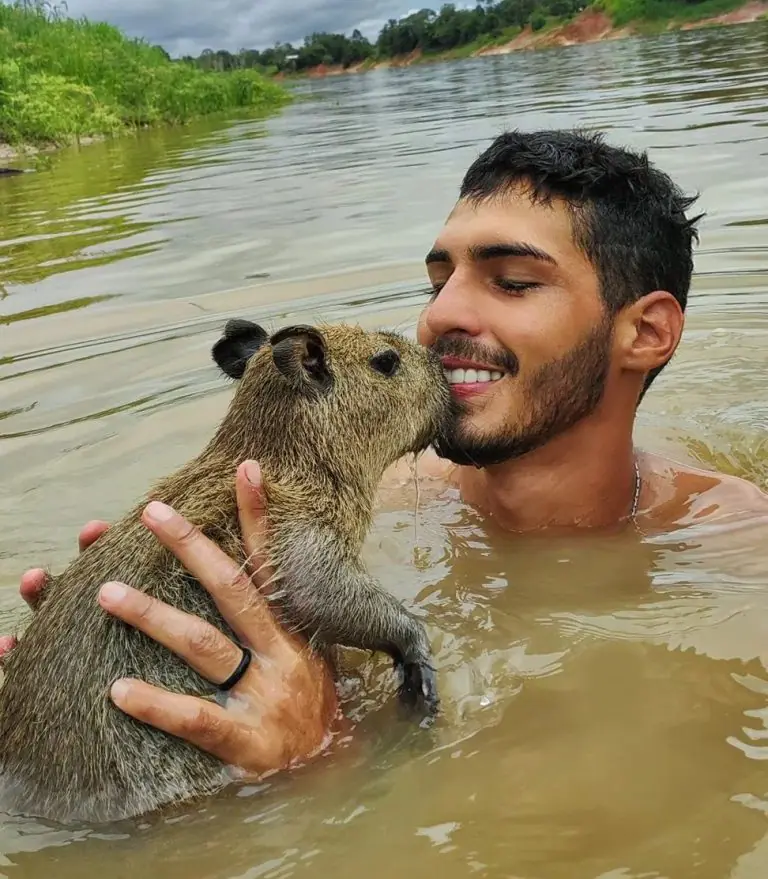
(282,709)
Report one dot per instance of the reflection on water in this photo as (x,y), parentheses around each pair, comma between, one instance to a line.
(606,699)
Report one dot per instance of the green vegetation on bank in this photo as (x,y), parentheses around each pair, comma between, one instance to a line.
(652,14)
(453,32)
(62,78)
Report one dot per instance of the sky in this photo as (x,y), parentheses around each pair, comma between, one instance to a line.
(184,28)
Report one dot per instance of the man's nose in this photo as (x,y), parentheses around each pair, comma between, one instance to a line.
(454,310)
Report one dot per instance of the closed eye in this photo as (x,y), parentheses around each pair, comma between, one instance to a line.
(515,286)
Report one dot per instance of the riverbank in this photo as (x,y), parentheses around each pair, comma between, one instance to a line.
(597,23)
(66,81)
(10,152)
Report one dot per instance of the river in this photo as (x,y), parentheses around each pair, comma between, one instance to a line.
(606,700)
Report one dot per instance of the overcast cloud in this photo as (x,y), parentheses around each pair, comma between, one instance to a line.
(188,28)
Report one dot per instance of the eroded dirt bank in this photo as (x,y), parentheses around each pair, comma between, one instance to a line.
(590,26)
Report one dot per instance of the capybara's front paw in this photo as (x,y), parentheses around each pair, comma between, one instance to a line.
(418,688)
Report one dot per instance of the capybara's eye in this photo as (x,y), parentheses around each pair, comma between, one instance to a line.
(386,362)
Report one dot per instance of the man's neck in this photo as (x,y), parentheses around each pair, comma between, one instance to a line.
(583,479)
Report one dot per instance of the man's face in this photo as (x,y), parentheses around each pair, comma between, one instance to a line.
(518,319)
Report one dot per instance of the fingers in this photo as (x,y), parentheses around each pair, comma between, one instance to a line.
(33,582)
(91,532)
(7,643)
(251,508)
(204,724)
(32,585)
(231,588)
(207,650)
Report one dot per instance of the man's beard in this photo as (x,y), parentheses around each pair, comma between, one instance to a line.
(560,394)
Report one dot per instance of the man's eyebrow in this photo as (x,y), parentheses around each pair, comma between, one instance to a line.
(514,249)
(479,253)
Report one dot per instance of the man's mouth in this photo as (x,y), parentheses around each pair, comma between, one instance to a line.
(465,374)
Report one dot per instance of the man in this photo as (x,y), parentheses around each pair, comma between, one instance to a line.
(560,281)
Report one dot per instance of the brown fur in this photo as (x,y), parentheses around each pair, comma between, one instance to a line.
(324,424)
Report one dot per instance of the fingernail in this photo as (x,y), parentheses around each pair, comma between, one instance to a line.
(253,472)
(119,690)
(159,511)
(113,593)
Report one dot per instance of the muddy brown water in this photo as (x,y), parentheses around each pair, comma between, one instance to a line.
(606,700)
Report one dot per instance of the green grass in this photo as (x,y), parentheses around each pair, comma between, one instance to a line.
(664,12)
(63,78)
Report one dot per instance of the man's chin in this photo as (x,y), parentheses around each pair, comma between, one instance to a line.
(473,451)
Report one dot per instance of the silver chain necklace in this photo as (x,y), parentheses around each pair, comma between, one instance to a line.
(636,499)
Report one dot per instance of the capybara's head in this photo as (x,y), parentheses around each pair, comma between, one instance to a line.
(335,392)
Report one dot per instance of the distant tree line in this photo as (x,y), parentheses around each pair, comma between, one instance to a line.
(427,30)
(319,48)
(491,21)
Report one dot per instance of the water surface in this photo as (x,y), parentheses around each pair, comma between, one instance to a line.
(606,699)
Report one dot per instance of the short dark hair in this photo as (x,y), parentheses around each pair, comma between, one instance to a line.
(628,217)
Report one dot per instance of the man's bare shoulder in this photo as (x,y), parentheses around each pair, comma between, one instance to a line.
(681,493)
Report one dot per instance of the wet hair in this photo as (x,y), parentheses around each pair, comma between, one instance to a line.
(628,217)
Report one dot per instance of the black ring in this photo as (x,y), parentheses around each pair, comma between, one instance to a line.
(242,667)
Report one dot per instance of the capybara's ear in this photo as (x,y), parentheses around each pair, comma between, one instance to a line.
(300,354)
(241,340)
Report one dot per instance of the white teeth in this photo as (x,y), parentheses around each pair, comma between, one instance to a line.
(471,376)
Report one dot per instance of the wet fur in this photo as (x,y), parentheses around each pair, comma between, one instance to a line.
(324,426)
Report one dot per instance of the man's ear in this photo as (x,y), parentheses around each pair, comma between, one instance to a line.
(300,355)
(241,340)
(648,331)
